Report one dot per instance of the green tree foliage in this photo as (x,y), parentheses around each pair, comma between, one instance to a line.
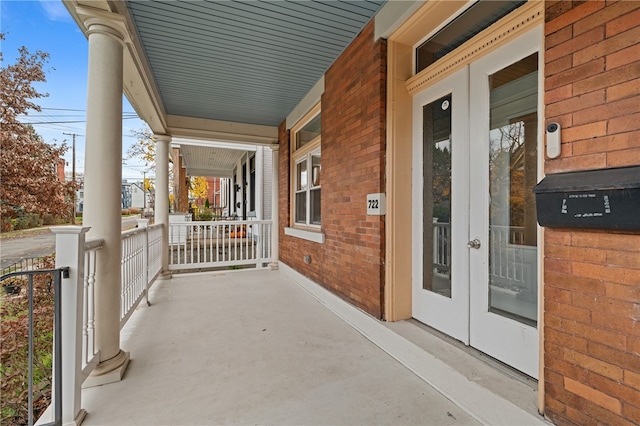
(28,165)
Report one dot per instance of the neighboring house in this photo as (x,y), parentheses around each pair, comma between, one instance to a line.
(127,198)
(138,195)
(79,199)
(217,193)
(126,195)
(406,173)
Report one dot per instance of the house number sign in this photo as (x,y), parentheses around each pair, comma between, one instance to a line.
(376,204)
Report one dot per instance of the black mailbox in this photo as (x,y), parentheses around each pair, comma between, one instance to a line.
(595,199)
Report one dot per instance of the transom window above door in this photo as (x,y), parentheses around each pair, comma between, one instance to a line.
(472,21)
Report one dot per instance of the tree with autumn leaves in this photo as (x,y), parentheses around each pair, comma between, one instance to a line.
(28,165)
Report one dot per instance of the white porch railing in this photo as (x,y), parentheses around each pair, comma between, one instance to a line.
(141,263)
(89,352)
(195,245)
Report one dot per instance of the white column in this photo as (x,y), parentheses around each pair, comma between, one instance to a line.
(70,252)
(102,188)
(161,209)
(275,231)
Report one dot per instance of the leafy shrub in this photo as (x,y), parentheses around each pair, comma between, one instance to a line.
(34,220)
(135,210)
(21,223)
(14,350)
(204,215)
(26,221)
(48,219)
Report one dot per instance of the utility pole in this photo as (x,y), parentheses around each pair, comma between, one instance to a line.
(73,175)
(144,194)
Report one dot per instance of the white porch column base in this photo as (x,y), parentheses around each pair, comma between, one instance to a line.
(164,275)
(275,231)
(79,418)
(109,371)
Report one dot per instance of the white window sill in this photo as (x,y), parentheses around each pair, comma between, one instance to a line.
(315,236)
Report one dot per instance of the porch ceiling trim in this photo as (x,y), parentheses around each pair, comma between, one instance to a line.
(209,172)
(223,131)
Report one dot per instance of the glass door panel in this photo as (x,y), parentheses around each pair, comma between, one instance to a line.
(513,166)
(437,196)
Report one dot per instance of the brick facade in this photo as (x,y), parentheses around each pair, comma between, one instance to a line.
(350,262)
(592,278)
(181,187)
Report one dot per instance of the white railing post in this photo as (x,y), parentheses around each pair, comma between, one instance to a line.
(144,223)
(70,252)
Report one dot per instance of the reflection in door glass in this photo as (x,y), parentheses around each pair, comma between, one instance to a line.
(437,196)
(513,280)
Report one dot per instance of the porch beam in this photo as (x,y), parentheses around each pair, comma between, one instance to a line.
(223,131)
(221,173)
(103,179)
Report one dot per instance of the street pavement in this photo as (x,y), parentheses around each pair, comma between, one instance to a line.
(36,243)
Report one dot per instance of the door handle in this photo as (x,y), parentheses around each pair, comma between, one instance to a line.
(474,244)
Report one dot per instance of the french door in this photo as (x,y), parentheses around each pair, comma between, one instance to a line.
(475,161)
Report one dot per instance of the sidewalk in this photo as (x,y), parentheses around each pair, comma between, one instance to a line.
(253,347)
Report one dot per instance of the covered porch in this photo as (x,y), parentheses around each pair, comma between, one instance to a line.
(268,347)
(261,346)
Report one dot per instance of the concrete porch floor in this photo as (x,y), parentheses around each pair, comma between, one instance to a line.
(255,347)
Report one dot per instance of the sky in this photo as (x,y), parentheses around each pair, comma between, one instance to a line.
(47,26)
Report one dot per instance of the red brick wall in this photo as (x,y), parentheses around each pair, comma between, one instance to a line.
(350,262)
(592,278)
(181,188)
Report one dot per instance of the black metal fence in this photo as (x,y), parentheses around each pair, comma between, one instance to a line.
(27,264)
(25,273)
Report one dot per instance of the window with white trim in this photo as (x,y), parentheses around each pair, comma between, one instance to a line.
(306,168)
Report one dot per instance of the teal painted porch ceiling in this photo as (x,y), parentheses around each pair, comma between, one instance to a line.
(243,61)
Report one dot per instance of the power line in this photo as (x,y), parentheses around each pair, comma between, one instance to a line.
(78,110)
(70,122)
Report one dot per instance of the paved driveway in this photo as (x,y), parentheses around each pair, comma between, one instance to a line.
(36,243)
